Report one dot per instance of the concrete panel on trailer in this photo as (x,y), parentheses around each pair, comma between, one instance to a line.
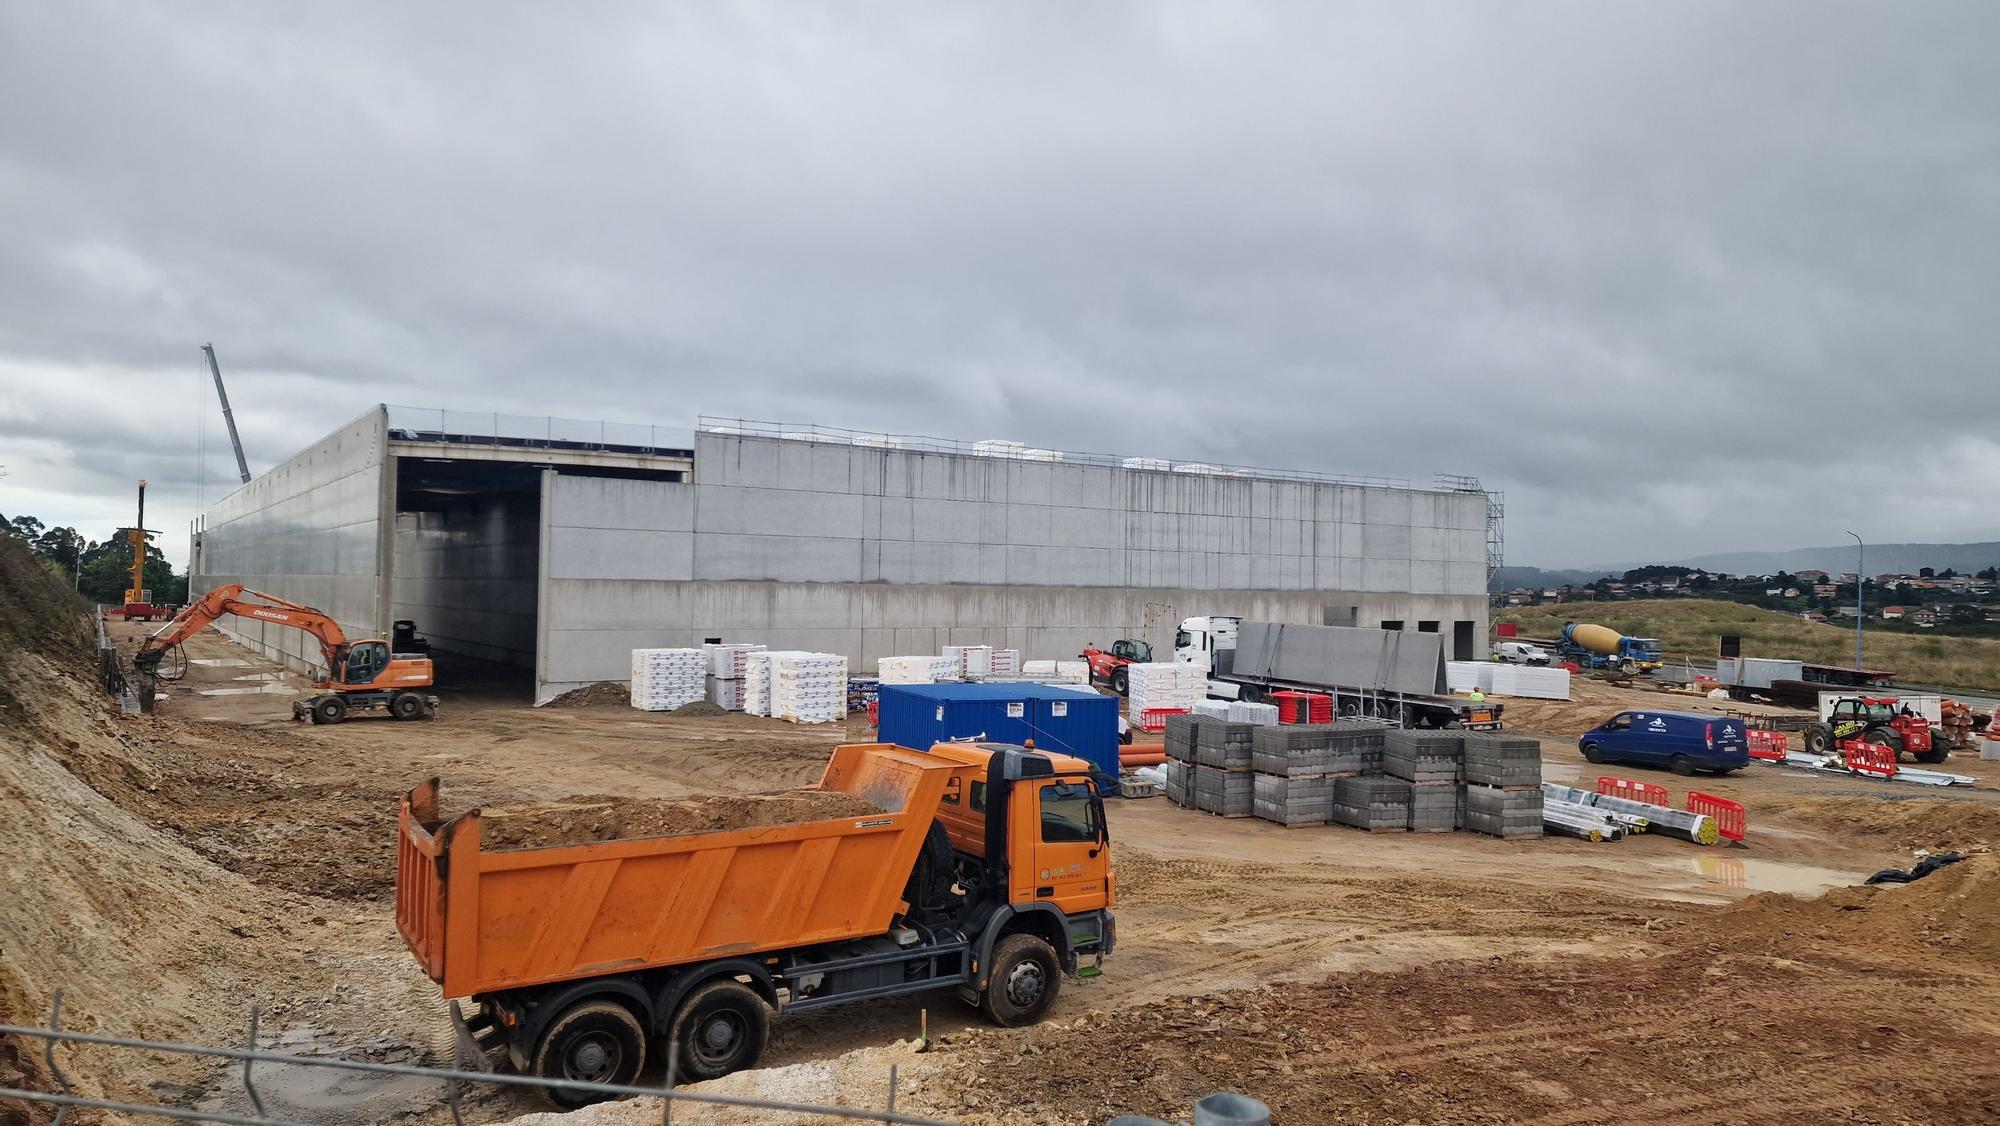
(1336,655)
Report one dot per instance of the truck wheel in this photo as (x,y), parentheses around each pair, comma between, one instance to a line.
(1591,753)
(1818,739)
(1026,978)
(591,1042)
(721,1028)
(329,709)
(1682,765)
(1934,755)
(1119,681)
(406,705)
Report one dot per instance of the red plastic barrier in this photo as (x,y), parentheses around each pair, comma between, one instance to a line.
(1155,719)
(1869,758)
(1648,792)
(1767,744)
(1730,820)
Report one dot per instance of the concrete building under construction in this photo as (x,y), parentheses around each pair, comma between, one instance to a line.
(557,547)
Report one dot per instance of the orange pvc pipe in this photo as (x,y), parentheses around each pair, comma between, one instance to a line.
(1142,760)
(1142,749)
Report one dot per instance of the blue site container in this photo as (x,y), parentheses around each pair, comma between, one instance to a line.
(1070,721)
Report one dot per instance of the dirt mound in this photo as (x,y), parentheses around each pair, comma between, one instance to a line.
(1954,913)
(601,817)
(602,694)
(700,709)
(37,611)
(1937,824)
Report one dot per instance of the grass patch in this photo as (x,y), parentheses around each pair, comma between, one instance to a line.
(1689,628)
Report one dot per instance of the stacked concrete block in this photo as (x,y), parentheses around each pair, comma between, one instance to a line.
(1180,785)
(1356,746)
(1372,802)
(1005,662)
(1422,756)
(1180,737)
(1434,806)
(1227,793)
(1292,801)
(973,661)
(665,679)
(1225,746)
(1300,750)
(1503,813)
(1493,758)
(757,678)
(727,694)
(1211,709)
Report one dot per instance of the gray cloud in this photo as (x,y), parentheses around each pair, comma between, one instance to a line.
(1679,278)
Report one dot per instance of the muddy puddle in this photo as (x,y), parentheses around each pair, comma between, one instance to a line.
(1718,875)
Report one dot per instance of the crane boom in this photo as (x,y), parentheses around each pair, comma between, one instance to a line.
(228,417)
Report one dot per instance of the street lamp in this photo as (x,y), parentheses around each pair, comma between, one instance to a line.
(1859,616)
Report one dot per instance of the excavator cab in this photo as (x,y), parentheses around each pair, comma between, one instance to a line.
(363,664)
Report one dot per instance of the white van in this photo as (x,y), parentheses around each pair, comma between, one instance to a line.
(1520,653)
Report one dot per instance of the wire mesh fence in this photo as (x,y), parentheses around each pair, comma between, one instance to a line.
(453,1081)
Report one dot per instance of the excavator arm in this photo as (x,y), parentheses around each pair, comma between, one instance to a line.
(234,599)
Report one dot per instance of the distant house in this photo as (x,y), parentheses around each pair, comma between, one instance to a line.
(1960,585)
(1849,612)
(1925,617)
(1791,592)
(1810,576)
(1847,576)
(1812,616)
(1825,590)
(1892,613)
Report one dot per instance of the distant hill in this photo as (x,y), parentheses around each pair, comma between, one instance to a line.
(1513,578)
(1897,558)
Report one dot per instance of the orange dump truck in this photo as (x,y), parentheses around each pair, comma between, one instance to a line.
(987,870)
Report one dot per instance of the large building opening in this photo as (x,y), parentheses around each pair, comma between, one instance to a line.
(466,557)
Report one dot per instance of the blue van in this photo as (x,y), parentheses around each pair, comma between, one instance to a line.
(1679,741)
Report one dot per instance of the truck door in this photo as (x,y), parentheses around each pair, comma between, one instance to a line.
(1068,827)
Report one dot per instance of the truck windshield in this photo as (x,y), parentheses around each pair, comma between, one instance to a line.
(1184,640)
(1068,814)
(1142,652)
(1647,647)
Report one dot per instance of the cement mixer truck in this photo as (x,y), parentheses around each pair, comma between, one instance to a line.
(1600,647)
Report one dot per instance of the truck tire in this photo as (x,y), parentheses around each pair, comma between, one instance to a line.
(720,1028)
(1935,755)
(1818,739)
(406,705)
(329,709)
(1681,765)
(1591,753)
(593,1041)
(1119,680)
(1025,980)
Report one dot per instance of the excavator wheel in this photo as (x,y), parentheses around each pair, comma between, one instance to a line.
(406,705)
(329,709)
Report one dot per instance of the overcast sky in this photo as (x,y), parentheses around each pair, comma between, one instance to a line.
(1678,277)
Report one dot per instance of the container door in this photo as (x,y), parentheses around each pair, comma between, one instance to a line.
(1069,844)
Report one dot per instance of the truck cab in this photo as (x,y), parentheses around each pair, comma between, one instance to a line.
(1201,639)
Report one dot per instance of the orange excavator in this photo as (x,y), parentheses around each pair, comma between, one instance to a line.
(361,675)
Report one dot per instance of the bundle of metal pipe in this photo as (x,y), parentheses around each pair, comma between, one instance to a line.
(1573,820)
(1697,827)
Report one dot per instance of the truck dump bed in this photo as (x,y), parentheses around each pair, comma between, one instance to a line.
(480,922)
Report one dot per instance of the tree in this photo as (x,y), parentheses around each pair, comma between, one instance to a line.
(62,546)
(26,527)
(1990,574)
(1967,614)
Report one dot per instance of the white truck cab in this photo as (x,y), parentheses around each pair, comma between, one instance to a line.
(1200,638)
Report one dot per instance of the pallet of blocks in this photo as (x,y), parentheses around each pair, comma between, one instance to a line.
(1222,777)
(1162,686)
(809,687)
(915,670)
(727,665)
(1502,784)
(1430,762)
(665,679)
(1375,802)
(1292,769)
(1179,767)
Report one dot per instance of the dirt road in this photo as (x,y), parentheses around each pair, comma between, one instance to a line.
(1342,975)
